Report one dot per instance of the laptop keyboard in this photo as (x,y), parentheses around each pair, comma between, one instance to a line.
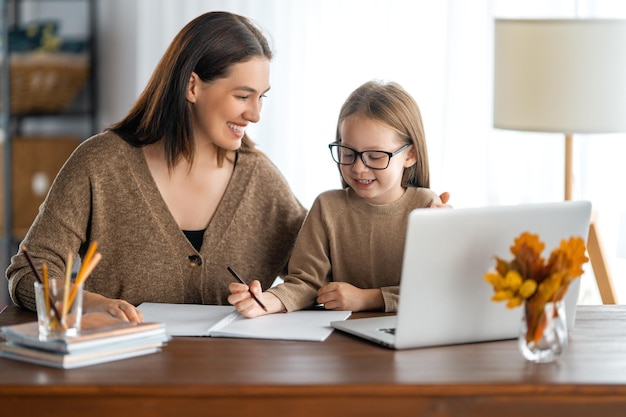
(390,330)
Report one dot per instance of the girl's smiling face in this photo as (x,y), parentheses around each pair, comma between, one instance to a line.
(374,186)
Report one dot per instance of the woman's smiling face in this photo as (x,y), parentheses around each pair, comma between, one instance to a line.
(222,109)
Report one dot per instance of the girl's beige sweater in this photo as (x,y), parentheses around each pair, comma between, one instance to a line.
(345,239)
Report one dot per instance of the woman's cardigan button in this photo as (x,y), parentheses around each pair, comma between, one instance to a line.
(195,261)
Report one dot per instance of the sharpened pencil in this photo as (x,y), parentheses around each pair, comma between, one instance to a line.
(66,289)
(46,289)
(89,263)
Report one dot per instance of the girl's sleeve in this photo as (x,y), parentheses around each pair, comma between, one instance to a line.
(391,295)
(309,266)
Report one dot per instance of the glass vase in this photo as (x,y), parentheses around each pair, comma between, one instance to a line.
(543,334)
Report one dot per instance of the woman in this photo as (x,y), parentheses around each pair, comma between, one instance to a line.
(175,192)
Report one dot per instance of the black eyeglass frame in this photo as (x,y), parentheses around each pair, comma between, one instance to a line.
(358,154)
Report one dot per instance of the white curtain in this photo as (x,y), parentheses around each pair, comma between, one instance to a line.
(442,53)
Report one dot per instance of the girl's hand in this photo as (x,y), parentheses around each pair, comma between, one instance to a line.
(444,197)
(246,305)
(344,296)
(120,309)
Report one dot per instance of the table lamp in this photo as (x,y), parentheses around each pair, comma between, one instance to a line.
(566,76)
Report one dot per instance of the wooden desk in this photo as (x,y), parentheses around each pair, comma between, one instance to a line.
(340,377)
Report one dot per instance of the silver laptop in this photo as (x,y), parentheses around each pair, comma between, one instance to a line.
(444,299)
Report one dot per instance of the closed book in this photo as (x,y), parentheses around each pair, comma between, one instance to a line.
(88,357)
(98,331)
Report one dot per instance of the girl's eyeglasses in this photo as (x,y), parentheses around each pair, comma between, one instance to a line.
(344,155)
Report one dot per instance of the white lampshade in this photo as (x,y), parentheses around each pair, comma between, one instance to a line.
(560,75)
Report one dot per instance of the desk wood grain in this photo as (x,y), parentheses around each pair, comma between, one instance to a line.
(342,376)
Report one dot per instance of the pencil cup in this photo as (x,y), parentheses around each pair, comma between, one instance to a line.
(59,309)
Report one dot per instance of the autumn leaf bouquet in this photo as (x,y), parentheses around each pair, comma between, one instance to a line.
(531,280)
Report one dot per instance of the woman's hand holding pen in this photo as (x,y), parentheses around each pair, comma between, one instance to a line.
(241,297)
(120,309)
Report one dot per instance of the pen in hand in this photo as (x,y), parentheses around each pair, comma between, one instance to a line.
(238,278)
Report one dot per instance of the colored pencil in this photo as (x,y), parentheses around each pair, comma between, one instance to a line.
(46,289)
(89,263)
(66,289)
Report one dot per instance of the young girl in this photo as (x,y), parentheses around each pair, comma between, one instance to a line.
(348,255)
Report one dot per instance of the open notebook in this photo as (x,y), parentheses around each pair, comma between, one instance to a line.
(443,296)
(225,321)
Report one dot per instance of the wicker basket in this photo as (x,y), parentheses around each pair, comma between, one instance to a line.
(46,82)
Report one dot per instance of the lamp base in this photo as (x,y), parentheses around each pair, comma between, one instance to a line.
(594,248)
(600,271)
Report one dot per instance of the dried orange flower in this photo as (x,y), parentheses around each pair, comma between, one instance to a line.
(529,279)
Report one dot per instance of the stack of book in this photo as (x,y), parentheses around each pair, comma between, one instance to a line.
(101,339)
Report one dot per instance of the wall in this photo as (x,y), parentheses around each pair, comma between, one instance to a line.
(118,43)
